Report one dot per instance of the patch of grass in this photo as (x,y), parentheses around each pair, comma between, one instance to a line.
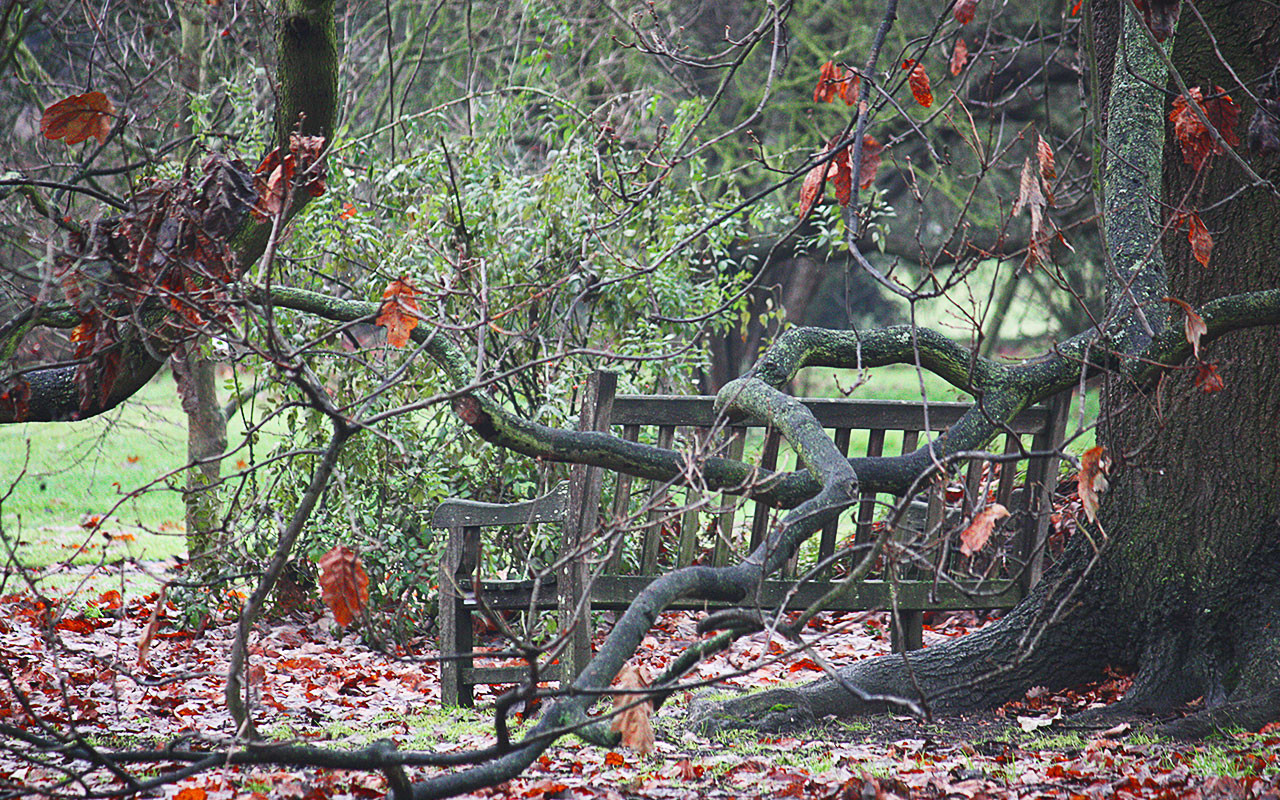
(63,474)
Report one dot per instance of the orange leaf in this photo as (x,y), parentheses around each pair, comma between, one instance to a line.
(1196,141)
(1048,172)
(1201,241)
(78,117)
(1194,325)
(919,81)
(348,211)
(1092,479)
(975,537)
(399,313)
(1208,380)
(964,11)
(826,88)
(959,57)
(633,723)
(192,793)
(811,188)
(344,585)
(614,759)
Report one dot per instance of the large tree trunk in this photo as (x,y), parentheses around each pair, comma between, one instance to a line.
(1184,589)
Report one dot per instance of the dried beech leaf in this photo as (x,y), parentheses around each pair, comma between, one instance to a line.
(975,537)
(1031,197)
(78,117)
(919,82)
(1201,241)
(399,313)
(344,585)
(1091,480)
(1048,172)
(1196,141)
(964,11)
(633,723)
(959,57)
(1208,380)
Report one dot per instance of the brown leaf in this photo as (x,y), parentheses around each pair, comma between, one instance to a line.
(1194,138)
(633,723)
(826,86)
(1048,172)
(975,537)
(959,57)
(919,81)
(1201,241)
(153,625)
(834,82)
(964,11)
(78,117)
(344,585)
(871,152)
(1160,16)
(1092,479)
(1208,380)
(1030,196)
(1194,325)
(838,171)
(399,313)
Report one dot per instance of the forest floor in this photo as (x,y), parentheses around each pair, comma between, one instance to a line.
(77,668)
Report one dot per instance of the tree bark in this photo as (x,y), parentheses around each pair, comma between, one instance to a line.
(1184,587)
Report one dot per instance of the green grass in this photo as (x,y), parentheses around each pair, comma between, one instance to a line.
(58,475)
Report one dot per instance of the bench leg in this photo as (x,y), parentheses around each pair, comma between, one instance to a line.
(912,623)
(455,631)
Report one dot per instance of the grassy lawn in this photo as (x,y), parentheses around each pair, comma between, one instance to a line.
(59,476)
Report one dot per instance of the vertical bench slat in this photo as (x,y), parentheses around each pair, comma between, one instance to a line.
(827,546)
(724,525)
(1042,478)
(622,507)
(768,461)
(653,519)
(867,505)
(691,519)
(1008,471)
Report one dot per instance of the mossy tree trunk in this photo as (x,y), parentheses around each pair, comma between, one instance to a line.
(1183,586)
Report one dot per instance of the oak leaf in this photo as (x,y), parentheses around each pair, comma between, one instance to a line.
(399,313)
(344,585)
(959,57)
(975,537)
(78,117)
(1091,480)
(918,79)
(633,723)
(1193,136)
(964,11)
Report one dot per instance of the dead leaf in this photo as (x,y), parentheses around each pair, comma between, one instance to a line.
(1208,380)
(964,10)
(153,625)
(919,82)
(78,117)
(1032,724)
(633,723)
(959,57)
(1194,325)
(1048,172)
(1031,196)
(1091,480)
(344,585)
(399,313)
(1193,136)
(975,537)
(1201,241)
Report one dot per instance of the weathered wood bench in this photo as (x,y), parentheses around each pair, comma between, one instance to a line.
(653,529)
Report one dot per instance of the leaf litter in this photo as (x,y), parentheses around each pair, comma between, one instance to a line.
(311,681)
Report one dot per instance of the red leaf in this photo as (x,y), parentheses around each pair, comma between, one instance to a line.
(826,88)
(1196,141)
(834,82)
(919,81)
(959,57)
(399,313)
(1201,241)
(964,11)
(975,537)
(812,187)
(1092,479)
(344,585)
(1208,380)
(78,117)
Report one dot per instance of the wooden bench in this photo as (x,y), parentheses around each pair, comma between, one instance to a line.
(652,529)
